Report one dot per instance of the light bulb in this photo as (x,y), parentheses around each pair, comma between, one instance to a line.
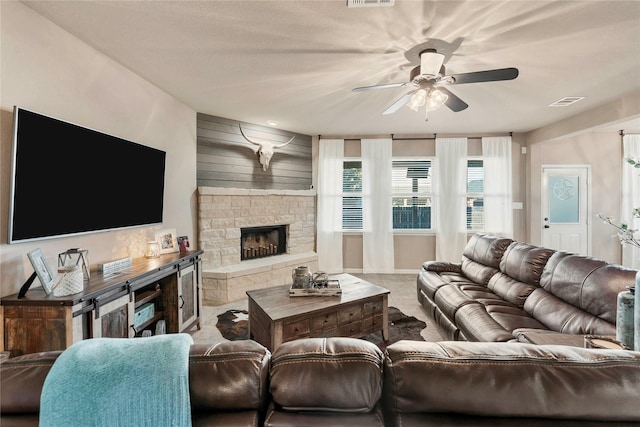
(436,99)
(418,99)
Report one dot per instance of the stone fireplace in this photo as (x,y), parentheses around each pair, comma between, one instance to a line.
(223,215)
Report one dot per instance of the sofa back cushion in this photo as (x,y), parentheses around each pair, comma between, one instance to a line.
(510,289)
(520,270)
(326,375)
(482,255)
(229,376)
(559,316)
(586,283)
(524,262)
(508,380)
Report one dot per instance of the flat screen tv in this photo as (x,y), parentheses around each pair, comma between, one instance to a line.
(68,179)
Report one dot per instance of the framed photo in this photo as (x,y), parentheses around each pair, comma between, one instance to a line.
(167,240)
(46,276)
(183,243)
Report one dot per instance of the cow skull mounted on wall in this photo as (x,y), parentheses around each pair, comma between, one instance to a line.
(265,149)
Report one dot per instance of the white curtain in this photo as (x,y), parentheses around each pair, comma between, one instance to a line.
(377,233)
(630,197)
(329,220)
(498,188)
(450,197)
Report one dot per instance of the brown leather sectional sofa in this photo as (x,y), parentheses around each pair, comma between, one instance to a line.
(504,290)
(351,382)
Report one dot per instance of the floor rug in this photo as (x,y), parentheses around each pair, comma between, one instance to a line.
(233,325)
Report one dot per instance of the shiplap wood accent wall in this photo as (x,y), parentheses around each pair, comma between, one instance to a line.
(225,159)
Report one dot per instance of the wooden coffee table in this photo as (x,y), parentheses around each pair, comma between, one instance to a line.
(275,317)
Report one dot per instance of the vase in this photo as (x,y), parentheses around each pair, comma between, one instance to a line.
(636,310)
(625,318)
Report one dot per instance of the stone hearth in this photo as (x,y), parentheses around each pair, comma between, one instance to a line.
(224,211)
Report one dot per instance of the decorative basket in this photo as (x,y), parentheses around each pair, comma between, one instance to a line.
(70,281)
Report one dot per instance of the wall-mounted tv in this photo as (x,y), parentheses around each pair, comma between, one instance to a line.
(68,179)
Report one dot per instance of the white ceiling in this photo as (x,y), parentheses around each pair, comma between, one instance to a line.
(296,61)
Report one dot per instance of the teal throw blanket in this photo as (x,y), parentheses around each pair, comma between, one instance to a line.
(119,382)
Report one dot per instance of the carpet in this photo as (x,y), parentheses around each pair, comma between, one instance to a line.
(234,325)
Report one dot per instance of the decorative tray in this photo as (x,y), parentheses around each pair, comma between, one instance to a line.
(329,288)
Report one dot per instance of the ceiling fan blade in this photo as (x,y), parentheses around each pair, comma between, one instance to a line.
(387,86)
(486,76)
(399,103)
(453,102)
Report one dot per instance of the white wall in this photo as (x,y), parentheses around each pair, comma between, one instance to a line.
(588,138)
(47,70)
(603,152)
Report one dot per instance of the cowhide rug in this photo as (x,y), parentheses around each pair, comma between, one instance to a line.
(234,325)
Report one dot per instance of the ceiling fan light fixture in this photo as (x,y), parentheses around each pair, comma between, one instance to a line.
(435,100)
(430,63)
(418,99)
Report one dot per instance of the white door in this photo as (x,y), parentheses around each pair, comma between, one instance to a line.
(566,208)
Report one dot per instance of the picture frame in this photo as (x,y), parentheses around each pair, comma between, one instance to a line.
(167,240)
(45,274)
(183,243)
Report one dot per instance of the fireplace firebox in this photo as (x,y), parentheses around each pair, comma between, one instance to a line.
(260,242)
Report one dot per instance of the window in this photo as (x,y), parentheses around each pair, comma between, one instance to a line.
(352,195)
(411,194)
(475,193)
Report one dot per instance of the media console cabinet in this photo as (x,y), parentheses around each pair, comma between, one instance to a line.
(107,305)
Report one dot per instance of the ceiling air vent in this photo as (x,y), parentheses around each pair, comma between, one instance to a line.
(369,3)
(566,101)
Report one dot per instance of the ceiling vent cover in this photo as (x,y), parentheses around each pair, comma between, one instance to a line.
(369,3)
(566,101)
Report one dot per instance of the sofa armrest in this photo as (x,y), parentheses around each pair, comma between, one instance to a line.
(21,381)
(442,267)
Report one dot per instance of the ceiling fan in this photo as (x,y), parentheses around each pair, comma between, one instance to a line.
(428,80)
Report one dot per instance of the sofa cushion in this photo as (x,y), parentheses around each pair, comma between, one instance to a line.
(326,375)
(486,249)
(476,324)
(477,272)
(541,337)
(481,294)
(600,290)
(229,376)
(510,289)
(587,283)
(520,270)
(481,257)
(524,262)
(511,380)
(429,282)
(556,315)
(511,317)
(278,418)
(450,298)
